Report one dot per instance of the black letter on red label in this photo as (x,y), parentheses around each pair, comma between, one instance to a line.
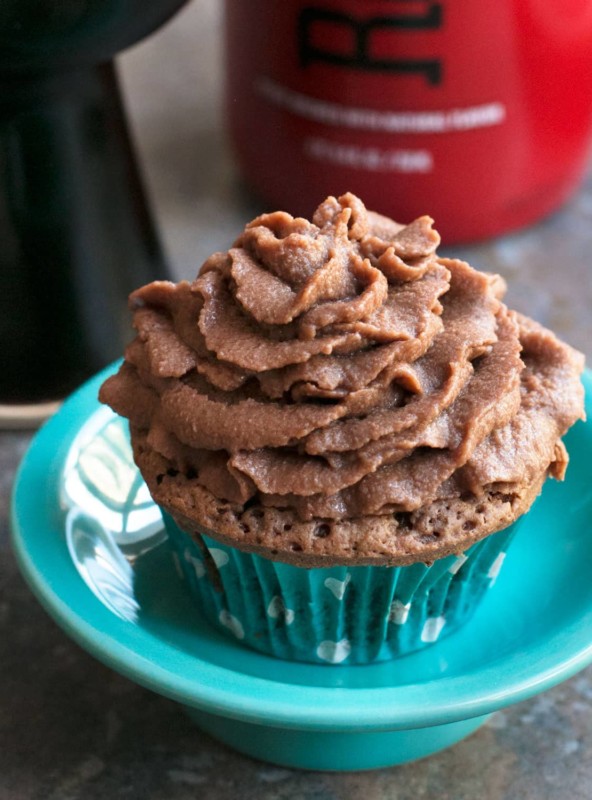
(362,30)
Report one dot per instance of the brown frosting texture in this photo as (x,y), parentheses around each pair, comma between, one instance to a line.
(338,370)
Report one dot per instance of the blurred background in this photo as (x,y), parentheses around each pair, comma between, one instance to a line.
(173,84)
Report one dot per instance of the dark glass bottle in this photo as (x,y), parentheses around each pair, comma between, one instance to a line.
(75,232)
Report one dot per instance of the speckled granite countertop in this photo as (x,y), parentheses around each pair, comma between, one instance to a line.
(71,729)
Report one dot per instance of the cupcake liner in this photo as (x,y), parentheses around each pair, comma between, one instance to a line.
(335,615)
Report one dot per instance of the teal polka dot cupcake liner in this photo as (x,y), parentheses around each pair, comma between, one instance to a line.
(335,615)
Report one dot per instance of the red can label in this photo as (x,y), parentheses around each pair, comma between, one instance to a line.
(478,114)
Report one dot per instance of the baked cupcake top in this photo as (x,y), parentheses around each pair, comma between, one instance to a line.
(334,392)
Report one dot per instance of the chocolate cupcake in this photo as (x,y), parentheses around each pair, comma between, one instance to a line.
(342,429)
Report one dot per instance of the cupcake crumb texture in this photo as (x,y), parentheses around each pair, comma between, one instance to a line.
(332,391)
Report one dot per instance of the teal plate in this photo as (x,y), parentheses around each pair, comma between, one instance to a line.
(90,543)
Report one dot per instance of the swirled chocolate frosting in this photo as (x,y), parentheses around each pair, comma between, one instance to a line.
(333,391)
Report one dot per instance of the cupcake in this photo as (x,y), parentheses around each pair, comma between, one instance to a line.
(342,431)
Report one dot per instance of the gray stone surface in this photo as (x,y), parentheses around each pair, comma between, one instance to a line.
(71,729)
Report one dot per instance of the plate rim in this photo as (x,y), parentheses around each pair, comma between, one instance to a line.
(219,690)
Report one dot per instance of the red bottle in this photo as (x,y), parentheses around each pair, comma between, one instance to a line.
(477,113)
